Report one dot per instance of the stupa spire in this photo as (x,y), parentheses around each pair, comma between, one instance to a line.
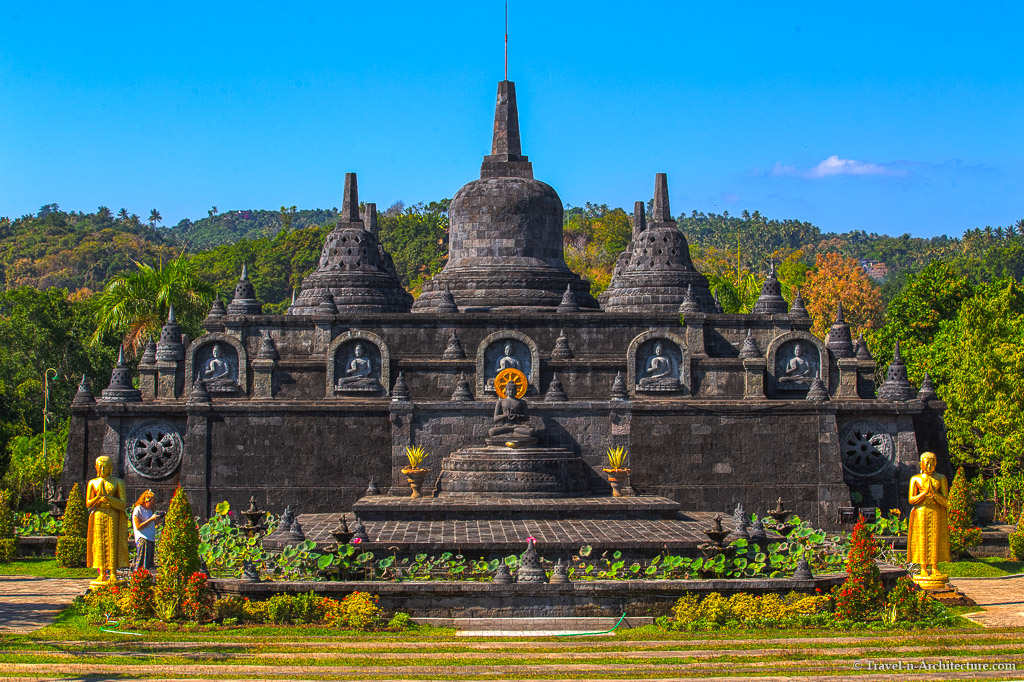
(506,159)
(639,218)
(350,202)
(660,212)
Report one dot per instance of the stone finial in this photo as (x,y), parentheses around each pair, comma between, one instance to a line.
(400,393)
(350,200)
(268,350)
(803,570)
(199,394)
(799,308)
(370,218)
(555,392)
(505,141)
(120,388)
(718,304)
(327,305)
(462,394)
(149,353)
(372,488)
(447,302)
(690,304)
(750,348)
(740,523)
(454,349)
(897,386)
(758,533)
(770,302)
(660,211)
(560,573)
(562,351)
(217,311)
(244,301)
(360,531)
(530,570)
(619,391)
(250,572)
(84,394)
(568,304)
(502,574)
(927,391)
(170,348)
(863,352)
(639,218)
(818,393)
(839,340)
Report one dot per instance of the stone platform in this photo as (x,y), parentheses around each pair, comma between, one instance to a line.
(506,472)
(407,531)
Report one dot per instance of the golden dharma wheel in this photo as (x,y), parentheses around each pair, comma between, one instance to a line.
(511,376)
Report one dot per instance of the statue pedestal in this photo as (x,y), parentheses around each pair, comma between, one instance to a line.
(934,582)
(520,471)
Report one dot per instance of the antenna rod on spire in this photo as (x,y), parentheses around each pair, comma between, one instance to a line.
(506,39)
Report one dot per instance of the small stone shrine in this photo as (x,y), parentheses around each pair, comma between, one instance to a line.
(516,381)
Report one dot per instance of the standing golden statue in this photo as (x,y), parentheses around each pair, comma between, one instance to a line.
(107,544)
(928,531)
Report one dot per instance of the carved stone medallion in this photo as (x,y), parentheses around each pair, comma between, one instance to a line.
(154,449)
(866,448)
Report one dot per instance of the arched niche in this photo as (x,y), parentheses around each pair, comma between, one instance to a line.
(792,361)
(358,364)
(491,352)
(643,363)
(219,359)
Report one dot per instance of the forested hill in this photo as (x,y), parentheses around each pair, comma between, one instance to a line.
(82,251)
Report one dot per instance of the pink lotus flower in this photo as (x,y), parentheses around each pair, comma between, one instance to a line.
(532,539)
(356,541)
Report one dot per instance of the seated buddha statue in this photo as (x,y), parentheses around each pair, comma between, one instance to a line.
(218,373)
(358,375)
(798,369)
(658,373)
(511,423)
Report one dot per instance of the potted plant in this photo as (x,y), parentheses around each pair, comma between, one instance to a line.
(414,472)
(617,474)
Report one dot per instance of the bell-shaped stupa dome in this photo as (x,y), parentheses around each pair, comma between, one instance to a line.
(505,233)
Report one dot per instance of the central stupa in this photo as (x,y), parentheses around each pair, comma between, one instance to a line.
(505,235)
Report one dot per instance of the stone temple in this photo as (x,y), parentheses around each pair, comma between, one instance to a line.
(714,409)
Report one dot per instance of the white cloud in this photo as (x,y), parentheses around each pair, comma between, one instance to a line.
(833,165)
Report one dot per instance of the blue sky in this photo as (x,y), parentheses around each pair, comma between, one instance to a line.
(888,117)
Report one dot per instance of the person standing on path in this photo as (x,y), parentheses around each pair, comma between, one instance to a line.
(144,521)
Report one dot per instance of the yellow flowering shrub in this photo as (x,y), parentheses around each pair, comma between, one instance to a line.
(357,611)
(691,612)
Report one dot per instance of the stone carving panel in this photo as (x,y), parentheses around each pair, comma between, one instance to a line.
(657,363)
(217,364)
(154,449)
(357,368)
(503,350)
(866,447)
(796,364)
(657,366)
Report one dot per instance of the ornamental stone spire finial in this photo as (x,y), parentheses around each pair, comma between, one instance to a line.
(839,340)
(639,218)
(750,348)
(120,388)
(770,302)
(350,200)
(660,211)
(244,301)
(370,218)
(506,159)
(897,386)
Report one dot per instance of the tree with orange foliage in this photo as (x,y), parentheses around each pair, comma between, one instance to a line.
(834,279)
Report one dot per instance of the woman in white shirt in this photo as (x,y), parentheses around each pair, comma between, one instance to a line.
(144,521)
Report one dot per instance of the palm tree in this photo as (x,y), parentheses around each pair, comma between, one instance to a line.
(122,215)
(154,217)
(135,305)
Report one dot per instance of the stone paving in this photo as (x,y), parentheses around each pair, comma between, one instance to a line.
(28,603)
(1002,599)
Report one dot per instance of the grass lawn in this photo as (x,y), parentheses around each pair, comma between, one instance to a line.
(982,567)
(44,567)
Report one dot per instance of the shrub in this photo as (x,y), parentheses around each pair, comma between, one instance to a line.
(861,595)
(136,601)
(1017,540)
(691,612)
(962,535)
(8,543)
(178,592)
(400,621)
(357,611)
(71,545)
(196,602)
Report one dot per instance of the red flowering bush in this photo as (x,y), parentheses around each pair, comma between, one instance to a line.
(196,600)
(136,600)
(861,595)
(962,534)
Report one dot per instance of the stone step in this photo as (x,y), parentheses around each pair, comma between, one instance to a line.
(459,507)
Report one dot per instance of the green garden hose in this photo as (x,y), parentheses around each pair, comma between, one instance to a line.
(604,632)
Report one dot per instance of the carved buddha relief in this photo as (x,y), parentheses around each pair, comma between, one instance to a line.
(506,354)
(217,365)
(796,364)
(357,368)
(658,366)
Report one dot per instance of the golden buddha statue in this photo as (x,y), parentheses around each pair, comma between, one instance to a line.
(107,544)
(928,530)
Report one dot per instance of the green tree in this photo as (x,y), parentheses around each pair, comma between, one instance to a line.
(134,306)
(71,545)
(8,541)
(154,217)
(962,534)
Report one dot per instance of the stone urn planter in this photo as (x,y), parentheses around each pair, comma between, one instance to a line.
(415,477)
(617,478)
(985,512)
